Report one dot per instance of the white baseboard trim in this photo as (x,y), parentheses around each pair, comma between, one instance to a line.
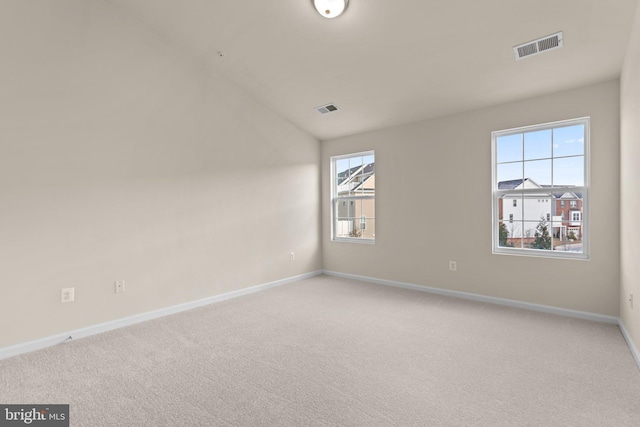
(483,298)
(630,343)
(49,341)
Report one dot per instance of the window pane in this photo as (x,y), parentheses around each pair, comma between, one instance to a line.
(513,232)
(537,207)
(537,145)
(509,148)
(355,163)
(342,170)
(506,235)
(539,171)
(568,171)
(568,141)
(509,172)
(367,209)
(538,235)
(510,207)
(369,229)
(569,239)
(343,227)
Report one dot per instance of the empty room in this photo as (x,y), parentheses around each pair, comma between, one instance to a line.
(320,213)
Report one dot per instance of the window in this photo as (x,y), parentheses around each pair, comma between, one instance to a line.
(515,203)
(537,165)
(353,180)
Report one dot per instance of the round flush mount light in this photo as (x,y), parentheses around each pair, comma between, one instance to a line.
(330,8)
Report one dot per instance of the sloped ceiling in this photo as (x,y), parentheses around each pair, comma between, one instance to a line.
(385,63)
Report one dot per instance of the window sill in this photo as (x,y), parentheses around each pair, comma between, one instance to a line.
(541,254)
(354,240)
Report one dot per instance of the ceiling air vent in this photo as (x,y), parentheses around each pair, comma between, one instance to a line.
(535,47)
(326,109)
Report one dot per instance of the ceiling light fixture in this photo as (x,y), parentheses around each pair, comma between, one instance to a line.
(330,8)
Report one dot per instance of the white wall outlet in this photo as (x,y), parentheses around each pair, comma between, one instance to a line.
(119,285)
(67,295)
(631,300)
(453,265)
(292,256)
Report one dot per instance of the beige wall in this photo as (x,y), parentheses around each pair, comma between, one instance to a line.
(447,162)
(122,158)
(630,185)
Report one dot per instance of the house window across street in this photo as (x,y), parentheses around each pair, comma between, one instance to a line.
(535,170)
(353,179)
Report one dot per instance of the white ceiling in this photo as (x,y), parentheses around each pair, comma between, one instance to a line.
(385,63)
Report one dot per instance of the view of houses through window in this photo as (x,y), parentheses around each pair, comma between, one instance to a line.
(353,197)
(540,189)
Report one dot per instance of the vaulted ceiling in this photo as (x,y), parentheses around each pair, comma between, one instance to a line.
(385,63)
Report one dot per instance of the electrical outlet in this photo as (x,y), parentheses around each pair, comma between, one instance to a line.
(292,256)
(453,265)
(67,295)
(119,285)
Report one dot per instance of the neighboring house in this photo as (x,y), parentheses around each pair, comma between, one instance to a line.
(521,214)
(569,209)
(356,213)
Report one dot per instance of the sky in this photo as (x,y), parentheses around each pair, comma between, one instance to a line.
(549,157)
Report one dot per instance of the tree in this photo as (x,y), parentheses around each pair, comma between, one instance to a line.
(355,232)
(542,237)
(503,235)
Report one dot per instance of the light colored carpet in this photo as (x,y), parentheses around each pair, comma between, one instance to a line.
(335,352)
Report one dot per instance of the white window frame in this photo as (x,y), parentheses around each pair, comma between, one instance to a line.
(496,193)
(335,199)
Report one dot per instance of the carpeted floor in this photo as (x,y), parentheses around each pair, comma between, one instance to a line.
(335,352)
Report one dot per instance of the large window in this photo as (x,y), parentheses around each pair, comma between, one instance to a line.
(533,168)
(353,195)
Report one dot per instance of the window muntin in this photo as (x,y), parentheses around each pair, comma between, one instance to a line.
(537,166)
(353,181)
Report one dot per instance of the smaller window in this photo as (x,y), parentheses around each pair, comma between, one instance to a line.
(573,203)
(562,203)
(548,217)
(576,216)
(511,218)
(353,181)
(515,203)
